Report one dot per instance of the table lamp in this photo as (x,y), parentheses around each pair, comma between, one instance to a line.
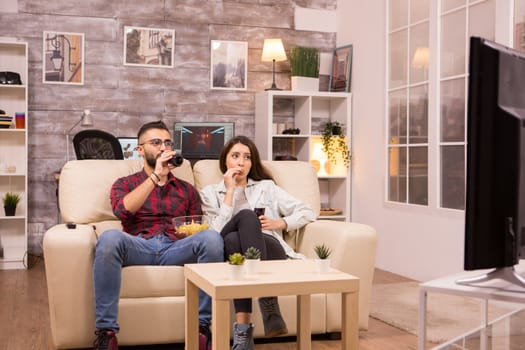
(273,50)
(319,155)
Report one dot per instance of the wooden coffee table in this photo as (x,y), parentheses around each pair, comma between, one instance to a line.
(274,278)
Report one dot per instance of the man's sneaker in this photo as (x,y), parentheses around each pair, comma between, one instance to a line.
(243,336)
(204,338)
(106,340)
(274,324)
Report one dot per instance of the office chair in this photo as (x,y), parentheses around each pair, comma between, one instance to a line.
(97,144)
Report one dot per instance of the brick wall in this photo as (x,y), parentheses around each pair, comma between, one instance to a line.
(121,98)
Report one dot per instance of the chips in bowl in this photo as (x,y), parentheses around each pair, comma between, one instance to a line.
(190,225)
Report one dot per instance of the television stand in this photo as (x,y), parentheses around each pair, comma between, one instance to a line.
(508,274)
(513,293)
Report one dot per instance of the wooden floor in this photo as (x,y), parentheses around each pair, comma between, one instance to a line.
(24,318)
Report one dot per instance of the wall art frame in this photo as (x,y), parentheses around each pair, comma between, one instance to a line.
(149,47)
(63,58)
(341,71)
(228,65)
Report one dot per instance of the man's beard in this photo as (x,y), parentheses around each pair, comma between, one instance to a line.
(151,160)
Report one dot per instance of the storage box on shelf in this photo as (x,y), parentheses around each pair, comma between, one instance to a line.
(288,125)
(13,154)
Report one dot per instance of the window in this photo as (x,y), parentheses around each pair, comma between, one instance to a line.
(408,101)
(519,25)
(459,21)
(411,51)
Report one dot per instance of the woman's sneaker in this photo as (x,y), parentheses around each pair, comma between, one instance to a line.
(243,336)
(273,321)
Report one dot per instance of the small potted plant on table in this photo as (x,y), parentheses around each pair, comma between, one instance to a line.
(235,262)
(252,257)
(322,263)
(10,200)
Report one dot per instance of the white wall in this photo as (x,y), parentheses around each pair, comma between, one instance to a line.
(419,243)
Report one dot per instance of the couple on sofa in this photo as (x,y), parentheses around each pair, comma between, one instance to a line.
(146,202)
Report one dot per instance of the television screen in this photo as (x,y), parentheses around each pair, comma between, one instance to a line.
(201,140)
(495,198)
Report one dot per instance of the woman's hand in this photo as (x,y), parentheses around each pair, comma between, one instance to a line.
(230,177)
(271,224)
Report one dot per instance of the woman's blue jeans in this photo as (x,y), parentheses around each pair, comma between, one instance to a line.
(116,249)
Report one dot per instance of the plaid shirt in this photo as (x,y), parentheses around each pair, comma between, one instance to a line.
(176,198)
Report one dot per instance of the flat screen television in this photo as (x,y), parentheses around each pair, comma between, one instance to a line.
(495,182)
(201,140)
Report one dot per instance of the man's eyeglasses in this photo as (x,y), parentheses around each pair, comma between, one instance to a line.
(158,142)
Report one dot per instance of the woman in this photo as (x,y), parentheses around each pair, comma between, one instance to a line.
(229,207)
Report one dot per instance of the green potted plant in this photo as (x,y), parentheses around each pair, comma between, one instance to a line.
(235,262)
(322,263)
(252,253)
(236,259)
(334,142)
(304,64)
(322,251)
(252,258)
(10,200)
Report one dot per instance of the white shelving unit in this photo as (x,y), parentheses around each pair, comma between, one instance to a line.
(307,111)
(13,157)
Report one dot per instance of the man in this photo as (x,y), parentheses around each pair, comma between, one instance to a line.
(145,203)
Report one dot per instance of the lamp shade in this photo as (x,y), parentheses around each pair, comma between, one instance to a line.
(273,49)
(421,58)
(87,119)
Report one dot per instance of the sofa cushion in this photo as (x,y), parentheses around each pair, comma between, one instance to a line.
(85,180)
(296,177)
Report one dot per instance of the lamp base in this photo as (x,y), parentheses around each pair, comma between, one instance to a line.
(272,88)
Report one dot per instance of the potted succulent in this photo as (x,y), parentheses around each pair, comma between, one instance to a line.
(322,263)
(252,257)
(235,262)
(304,64)
(10,200)
(334,142)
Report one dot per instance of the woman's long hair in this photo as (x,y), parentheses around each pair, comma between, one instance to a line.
(258,171)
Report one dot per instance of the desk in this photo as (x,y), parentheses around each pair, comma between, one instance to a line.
(496,290)
(277,277)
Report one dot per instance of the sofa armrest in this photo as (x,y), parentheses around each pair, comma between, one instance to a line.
(68,257)
(353,248)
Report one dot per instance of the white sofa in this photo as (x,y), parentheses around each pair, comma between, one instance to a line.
(151,309)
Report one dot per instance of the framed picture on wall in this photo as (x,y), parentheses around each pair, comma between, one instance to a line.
(63,58)
(341,73)
(129,146)
(228,64)
(149,47)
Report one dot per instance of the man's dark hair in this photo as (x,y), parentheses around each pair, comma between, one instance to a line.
(159,124)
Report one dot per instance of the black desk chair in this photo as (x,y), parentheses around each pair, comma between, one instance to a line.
(97,144)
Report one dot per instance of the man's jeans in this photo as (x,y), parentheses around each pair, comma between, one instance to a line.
(116,249)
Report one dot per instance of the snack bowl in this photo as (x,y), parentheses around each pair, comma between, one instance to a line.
(190,225)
